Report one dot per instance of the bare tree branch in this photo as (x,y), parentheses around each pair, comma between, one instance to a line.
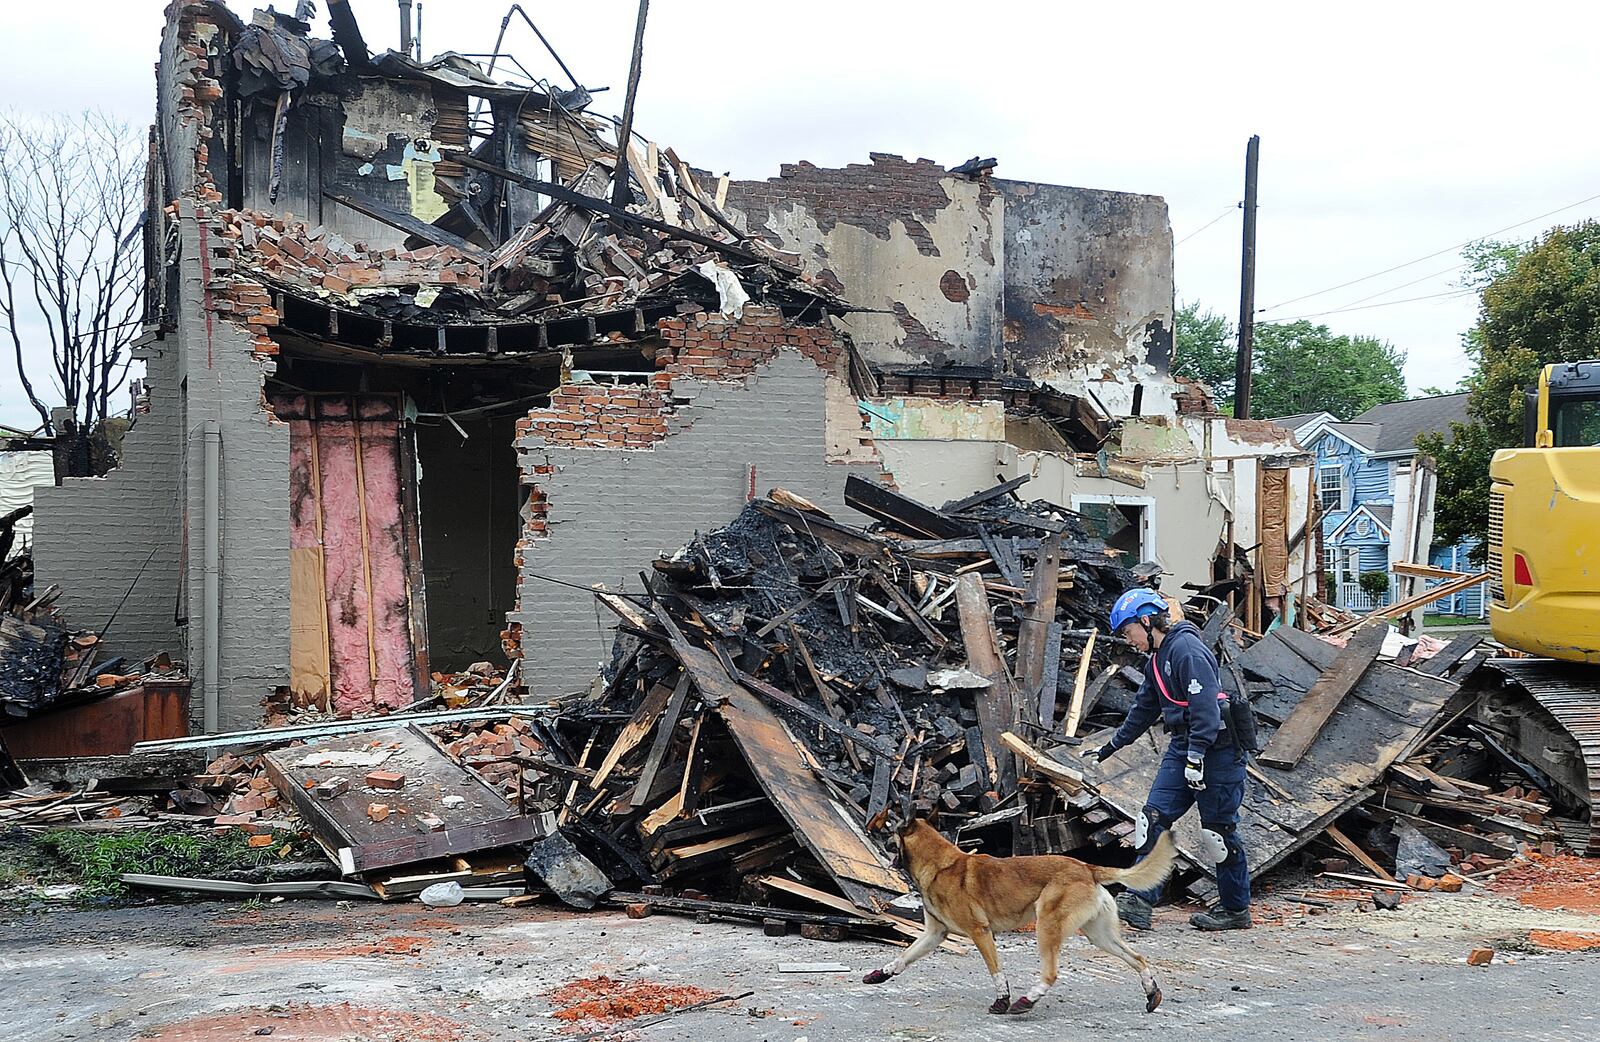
(70,277)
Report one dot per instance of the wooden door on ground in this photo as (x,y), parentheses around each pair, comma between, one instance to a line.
(356,617)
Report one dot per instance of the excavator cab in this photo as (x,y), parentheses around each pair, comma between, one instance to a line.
(1563,411)
(1544,521)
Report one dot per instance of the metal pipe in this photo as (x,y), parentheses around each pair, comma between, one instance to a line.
(211,590)
(419,31)
(405,27)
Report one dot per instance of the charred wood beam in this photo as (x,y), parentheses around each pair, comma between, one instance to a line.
(409,224)
(347,34)
(600,206)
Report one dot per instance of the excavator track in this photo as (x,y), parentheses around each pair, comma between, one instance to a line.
(1570,694)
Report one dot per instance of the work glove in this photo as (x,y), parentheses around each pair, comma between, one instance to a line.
(1103,753)
(1194,773)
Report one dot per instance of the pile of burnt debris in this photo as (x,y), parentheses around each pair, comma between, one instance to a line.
(782,679)
(48,671)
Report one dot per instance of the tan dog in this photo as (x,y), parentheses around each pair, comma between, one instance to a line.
(979,895)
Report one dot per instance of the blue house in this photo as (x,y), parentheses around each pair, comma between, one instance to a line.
(1377,500)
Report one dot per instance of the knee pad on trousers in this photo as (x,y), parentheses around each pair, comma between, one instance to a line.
(1147,826)
(1219,843)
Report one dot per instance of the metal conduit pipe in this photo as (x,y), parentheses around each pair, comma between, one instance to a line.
(211,577)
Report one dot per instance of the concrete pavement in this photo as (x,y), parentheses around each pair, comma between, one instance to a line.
(403,973)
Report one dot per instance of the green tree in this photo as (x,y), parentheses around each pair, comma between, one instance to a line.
(1540,304)
(1302,367)
(1204,349)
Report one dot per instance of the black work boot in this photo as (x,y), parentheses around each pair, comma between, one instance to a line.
(1134,910)
(1221,919)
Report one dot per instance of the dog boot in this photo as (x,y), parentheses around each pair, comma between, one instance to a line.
(1134,910)
(1221,919)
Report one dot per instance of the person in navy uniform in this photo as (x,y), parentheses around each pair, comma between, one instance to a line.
(1202,765)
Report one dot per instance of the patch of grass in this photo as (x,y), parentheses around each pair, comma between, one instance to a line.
(97,860)
(1430,622)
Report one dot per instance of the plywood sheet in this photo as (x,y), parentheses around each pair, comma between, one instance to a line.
(480,820)
(823,826)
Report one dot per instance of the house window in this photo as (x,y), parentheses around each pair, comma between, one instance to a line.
(1330,486)
(1363,526)
(1126,523)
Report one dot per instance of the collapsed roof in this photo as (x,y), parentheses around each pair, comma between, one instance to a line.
(432,193)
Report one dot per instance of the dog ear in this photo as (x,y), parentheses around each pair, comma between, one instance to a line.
(933,817)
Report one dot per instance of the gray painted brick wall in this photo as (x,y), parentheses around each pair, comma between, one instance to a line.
(94,535)
(612,512)
(224,384)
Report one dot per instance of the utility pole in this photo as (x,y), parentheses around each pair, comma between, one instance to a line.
(619,189)
(1247,285)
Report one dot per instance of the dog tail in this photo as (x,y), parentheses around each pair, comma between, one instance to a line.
(1153,870)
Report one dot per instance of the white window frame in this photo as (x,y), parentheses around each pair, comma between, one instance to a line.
(1147,523)
(1322,489)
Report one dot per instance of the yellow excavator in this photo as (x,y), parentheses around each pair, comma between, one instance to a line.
(1541,714)
(1544,522)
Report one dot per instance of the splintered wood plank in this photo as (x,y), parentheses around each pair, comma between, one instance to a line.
(1349,846)
(839,904)
(1052,674)
(1034,628)
(1292,740)
(663,739)
(1067,778)
(1450,654)
(633,732)
(479,821)
(901,511)
(822,825)
(1080,687)
(996,712)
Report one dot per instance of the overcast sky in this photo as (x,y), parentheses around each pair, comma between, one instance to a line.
(1390,131)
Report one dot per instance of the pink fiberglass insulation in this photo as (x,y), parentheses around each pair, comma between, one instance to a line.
(344,566)
(386,538)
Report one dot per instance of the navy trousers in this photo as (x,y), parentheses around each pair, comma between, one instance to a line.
(1170,798)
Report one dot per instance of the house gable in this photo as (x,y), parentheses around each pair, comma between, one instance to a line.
(1352,530)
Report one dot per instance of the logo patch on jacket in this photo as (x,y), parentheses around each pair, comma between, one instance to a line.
(1194,687)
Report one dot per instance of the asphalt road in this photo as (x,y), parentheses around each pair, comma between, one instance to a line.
(404,973)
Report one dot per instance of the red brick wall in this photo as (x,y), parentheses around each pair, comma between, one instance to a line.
(865,195)
(636,416)
(702,346)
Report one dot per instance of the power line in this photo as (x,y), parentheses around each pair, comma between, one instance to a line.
(1430,256)
(1387,303)
(1403,285)
(1208,224)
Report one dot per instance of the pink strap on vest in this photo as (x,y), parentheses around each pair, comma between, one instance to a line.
(1156,663)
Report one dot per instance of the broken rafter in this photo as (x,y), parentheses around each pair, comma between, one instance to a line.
(600,206)
(409,224)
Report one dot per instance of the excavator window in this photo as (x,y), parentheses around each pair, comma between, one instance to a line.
(1575,421)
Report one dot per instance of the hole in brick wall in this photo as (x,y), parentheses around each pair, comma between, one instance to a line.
(469,498)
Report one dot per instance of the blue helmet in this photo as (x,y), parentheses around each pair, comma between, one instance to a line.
(1134,604)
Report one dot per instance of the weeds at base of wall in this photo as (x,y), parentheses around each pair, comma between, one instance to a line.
(95,861)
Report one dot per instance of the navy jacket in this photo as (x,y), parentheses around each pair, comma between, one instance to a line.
(1189,705)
